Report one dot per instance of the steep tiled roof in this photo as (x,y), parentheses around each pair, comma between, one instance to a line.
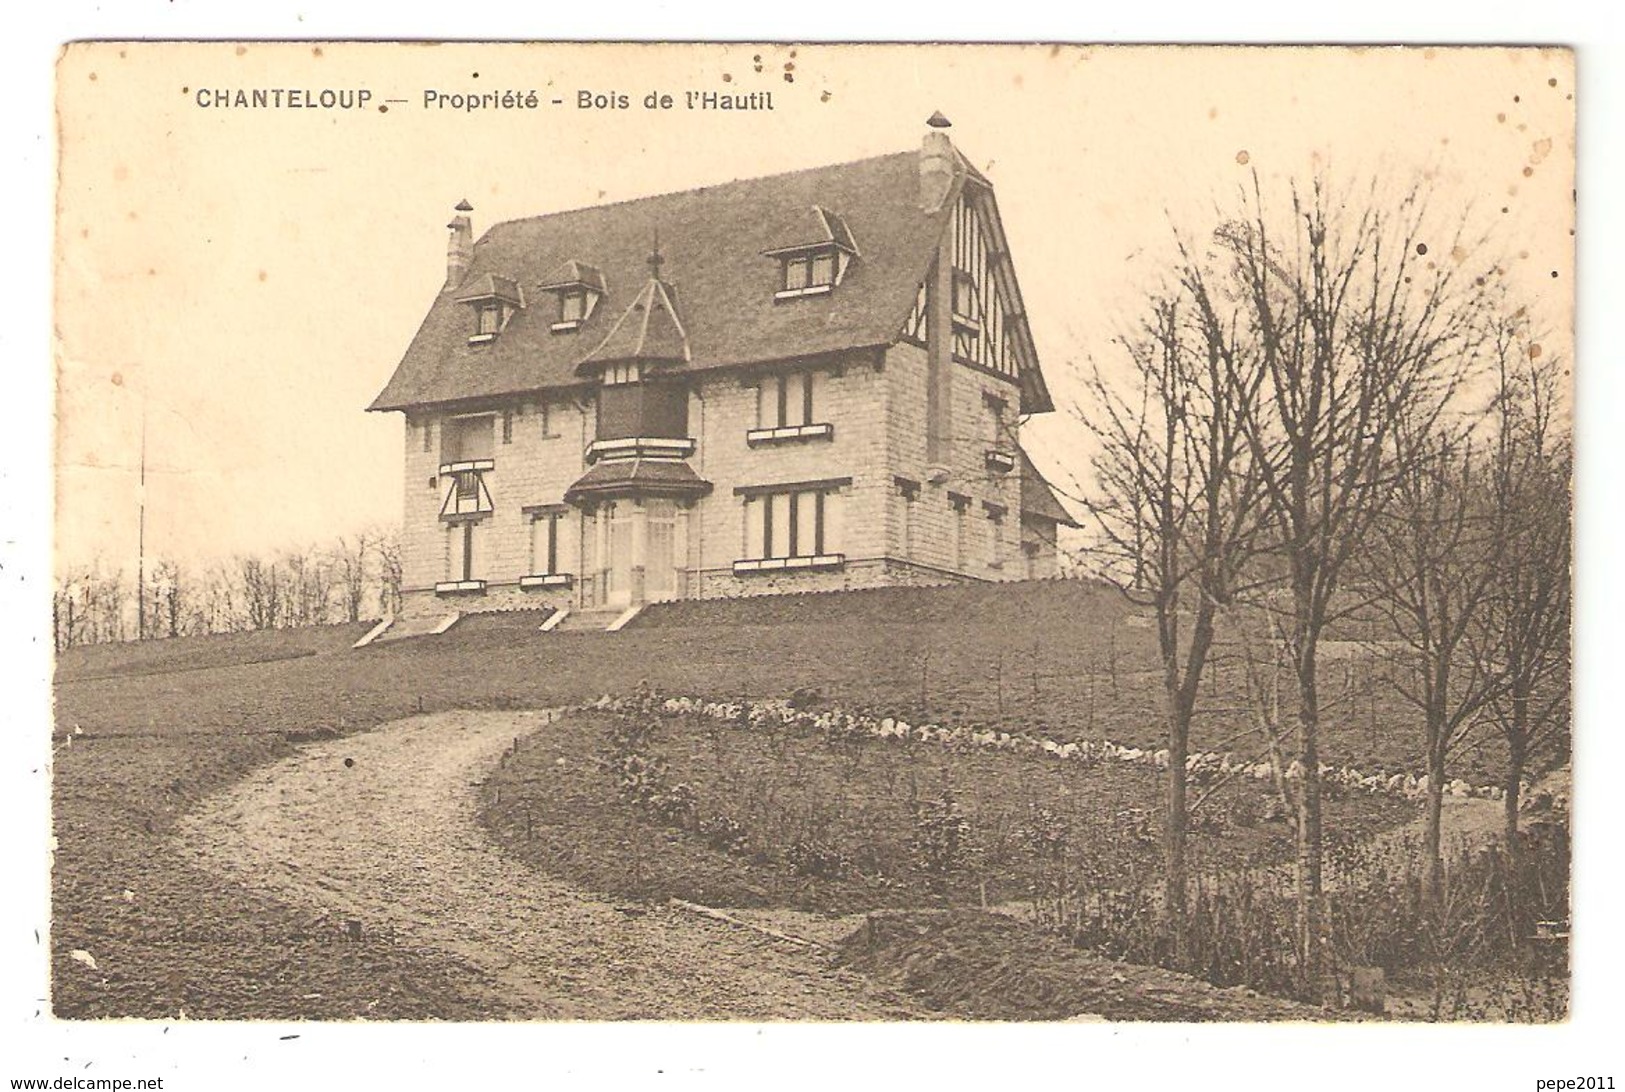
(1038,500)
(648,331)
(645,476)
(712,240)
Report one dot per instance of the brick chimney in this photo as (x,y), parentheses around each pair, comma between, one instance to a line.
(936,182)
(460,246)
(936,164)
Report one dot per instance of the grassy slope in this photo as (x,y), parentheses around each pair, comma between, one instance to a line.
(161,727)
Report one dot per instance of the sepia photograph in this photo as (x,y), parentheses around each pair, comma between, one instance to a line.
(730,533)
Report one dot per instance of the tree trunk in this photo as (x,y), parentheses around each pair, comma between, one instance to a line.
(1433,834)
(1308,870)
(1176,882)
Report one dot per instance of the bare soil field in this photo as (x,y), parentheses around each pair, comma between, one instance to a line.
(379,830)
(144,734)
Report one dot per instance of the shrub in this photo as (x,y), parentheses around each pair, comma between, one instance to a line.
(816,857)
(941,836)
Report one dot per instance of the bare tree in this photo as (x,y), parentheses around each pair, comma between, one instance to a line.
(1433,563)
(389,572)
(1358,331)
(1531,600)
(1176,506)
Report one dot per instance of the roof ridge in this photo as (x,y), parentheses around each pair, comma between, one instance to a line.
(697,189)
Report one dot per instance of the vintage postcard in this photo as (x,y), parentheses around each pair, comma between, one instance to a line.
(782,533)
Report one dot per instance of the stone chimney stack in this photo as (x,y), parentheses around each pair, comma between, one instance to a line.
(936,164)
(460,246)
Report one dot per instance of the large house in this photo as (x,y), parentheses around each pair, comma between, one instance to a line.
(802,382)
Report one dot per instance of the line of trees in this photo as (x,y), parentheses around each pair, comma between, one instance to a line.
(1333,414)
(354,577)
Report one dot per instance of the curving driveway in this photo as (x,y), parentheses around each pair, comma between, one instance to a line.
(391,840)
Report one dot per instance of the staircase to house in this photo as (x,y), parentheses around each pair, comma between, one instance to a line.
(421,626)
(594,620)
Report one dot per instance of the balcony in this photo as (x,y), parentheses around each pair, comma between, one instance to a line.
(646,447)
(466,466)
(1000,460)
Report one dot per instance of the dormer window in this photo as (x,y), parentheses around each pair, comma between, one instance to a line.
(494,300)
(578,287)
(815,265)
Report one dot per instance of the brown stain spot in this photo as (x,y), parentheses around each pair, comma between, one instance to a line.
(186,90)
(1212,112)
(1554,274)
(1429,53)
(1528,172)
(1516,98)
(1500,117)
(1535,351)
(151,272)
(1458,254)
(789,77)
(1055,50)
(382,108)
(1017,80)
(1541,149)
(93,77)
(263,275)
(792,53)
(789,66)
(118,379)
(1243,158)
(316,51)
(122,55)
(121,173)
(727,77)
(1552,82)
(824,97)
(1422,248)
(1523,253)
(241,50)
(84,233)
(131,215)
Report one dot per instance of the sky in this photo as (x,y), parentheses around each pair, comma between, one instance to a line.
(246,280)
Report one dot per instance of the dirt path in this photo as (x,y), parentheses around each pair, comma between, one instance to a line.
(391,840)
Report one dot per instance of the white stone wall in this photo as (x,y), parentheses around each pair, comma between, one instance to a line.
(534,467)
(851,397)
(878,416)
(932,534)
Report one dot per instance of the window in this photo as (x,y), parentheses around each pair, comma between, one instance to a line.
(909,490)
(573,306)
(467,439)
(809,272)
(428,436)
(784,400)
(544,542)
(793,528)
(544,413)
(967,302)
(784,409)
(995,534)
(620,374)
(489,321)
(507,426)
(961,505)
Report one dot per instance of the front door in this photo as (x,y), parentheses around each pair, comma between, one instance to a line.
(619,517)
(660,577)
